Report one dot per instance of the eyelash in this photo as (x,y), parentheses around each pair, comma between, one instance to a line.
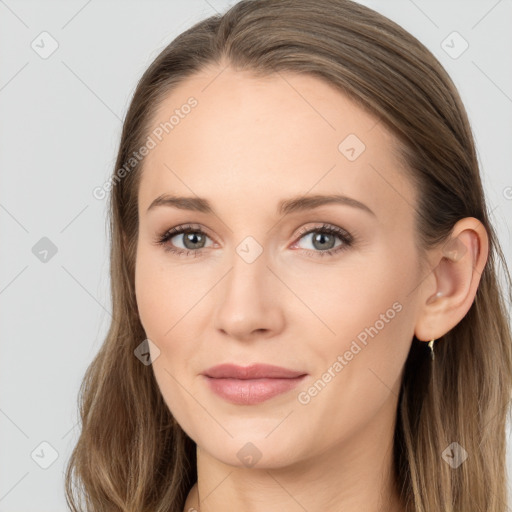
(343,235)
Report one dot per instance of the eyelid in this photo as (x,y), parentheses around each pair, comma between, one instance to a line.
(327,227)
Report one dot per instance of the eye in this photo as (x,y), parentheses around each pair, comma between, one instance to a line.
(324,237)
(193,239)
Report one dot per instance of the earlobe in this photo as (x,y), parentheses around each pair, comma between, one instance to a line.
(456,276)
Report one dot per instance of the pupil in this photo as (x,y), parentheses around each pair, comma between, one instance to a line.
(192,237)
(320,237)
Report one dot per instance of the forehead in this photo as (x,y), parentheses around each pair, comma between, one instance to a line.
(260,137)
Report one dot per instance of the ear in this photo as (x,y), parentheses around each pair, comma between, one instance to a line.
(451,287)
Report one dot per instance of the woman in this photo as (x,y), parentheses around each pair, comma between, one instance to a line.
(248,367)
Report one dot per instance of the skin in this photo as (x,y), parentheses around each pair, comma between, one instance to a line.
(248,144)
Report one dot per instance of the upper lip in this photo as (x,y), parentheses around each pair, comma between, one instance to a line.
(254,371)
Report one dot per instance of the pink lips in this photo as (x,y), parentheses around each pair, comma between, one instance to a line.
(251,384)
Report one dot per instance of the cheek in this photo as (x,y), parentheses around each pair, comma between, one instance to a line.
(358,372)
(164,293)
(367,319)
(169,300)
(151,297)
(348,298)
(162,302)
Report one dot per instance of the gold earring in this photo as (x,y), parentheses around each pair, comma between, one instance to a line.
(431,345)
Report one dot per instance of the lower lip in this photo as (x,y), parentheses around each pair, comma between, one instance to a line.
(251,391)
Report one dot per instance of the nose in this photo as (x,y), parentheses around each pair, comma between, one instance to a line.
(250,304)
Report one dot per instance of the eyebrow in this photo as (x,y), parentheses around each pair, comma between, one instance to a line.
(284,207)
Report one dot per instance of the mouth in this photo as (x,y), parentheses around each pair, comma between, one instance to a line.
(253,384)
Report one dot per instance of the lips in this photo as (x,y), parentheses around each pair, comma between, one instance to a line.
(253,384)
(254,371)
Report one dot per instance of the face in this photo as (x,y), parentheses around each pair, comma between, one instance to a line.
(267,273)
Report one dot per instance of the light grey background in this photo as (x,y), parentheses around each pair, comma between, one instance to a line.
(60,121)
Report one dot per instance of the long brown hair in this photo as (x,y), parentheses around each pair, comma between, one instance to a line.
(131,455)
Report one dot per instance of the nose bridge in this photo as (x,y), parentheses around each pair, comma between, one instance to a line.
(248,278)
(248,298)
